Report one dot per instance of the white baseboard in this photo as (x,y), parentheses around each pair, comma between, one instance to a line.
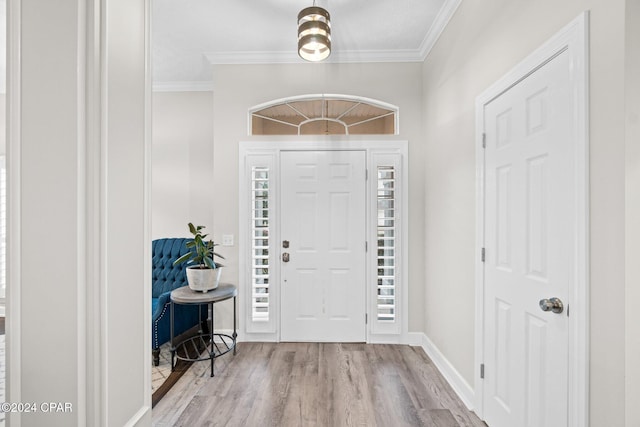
(387,339)
(448,371)
(140,418)
(415,339)
(257,337)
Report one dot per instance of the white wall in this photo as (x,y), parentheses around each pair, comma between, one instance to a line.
(3,123)
(237,88)
(125,186)
(3,46)
(632,232)
(183,189)
(481,43)
(78,317)
(48,177)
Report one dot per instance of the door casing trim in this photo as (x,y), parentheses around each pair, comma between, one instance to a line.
(573,38)
(371,148)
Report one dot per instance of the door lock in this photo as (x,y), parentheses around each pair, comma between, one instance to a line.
(551,304)
(285,257)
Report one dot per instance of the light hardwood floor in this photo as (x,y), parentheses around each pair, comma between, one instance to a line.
(311,384)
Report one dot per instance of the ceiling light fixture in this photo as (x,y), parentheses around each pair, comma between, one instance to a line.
(314,33)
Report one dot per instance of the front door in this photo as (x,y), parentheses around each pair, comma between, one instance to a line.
(529,205)
(323,246)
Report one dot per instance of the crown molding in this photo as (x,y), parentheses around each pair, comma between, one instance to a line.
(439,24)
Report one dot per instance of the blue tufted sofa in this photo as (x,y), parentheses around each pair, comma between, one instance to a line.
(165,278)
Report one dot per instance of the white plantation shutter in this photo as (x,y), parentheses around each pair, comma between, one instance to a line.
(259,273)
(260,243)
(386,195)
(386,244)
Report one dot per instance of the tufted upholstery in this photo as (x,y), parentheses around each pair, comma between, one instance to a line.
(165,278)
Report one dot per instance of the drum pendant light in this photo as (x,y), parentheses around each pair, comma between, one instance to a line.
(314,34)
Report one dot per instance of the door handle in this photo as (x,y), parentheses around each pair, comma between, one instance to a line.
(285,257)
(551,304)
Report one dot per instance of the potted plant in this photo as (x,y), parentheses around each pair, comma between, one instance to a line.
(204,275)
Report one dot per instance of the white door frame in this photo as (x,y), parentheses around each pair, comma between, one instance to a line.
(573,39)
(272,149)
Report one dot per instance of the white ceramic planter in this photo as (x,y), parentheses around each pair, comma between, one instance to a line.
(203,279)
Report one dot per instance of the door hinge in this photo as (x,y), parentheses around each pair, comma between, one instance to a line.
(482,255)
(366,174)
(366,319)
(568,305)
(484,140)
(482,370)
(366,246)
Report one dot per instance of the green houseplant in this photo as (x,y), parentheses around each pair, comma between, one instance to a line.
(204,275)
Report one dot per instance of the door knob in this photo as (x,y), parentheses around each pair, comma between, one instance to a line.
(551,304)
(285,257)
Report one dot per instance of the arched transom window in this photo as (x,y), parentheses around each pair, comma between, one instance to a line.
(324,115)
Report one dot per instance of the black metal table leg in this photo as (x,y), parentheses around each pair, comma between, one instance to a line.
(212,354)
(173,348)
(234,325)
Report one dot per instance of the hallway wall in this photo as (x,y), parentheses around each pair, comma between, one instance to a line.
(632,231)
(78,312)
(182,188)
(482,42)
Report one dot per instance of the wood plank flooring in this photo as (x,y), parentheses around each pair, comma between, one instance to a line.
(312,384)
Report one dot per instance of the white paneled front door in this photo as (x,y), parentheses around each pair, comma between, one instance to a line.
(530,171)
(323,223)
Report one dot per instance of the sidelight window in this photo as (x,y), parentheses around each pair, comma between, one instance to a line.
(387,284)
(260,244)
(386,243)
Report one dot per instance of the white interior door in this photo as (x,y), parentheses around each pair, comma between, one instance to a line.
(529,206)
(323,220)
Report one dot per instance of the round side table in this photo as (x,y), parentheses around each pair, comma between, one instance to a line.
(192,349)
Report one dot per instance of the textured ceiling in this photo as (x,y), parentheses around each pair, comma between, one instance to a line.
(189,35)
